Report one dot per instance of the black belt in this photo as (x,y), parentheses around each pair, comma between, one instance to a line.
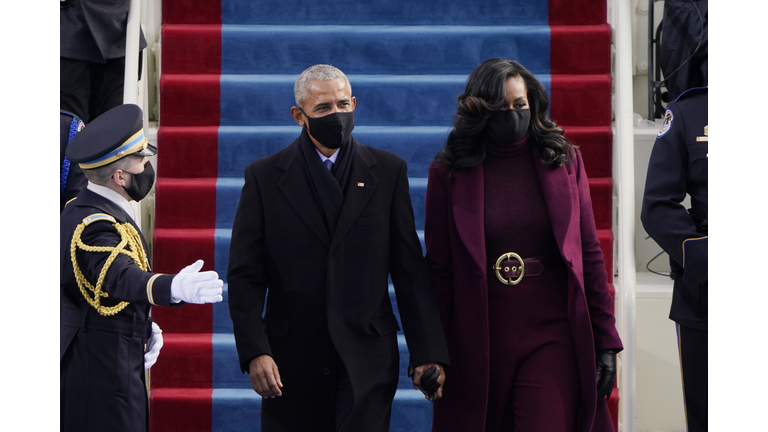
(91,320)
(511,268)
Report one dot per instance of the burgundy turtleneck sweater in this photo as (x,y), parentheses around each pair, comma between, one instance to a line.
(516,217)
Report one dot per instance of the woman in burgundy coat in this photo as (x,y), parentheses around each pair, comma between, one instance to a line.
(517,267)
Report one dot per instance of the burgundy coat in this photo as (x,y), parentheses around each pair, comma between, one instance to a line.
(455,244)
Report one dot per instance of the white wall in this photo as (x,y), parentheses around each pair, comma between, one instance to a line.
(659,396)
(659,386)
(640,51)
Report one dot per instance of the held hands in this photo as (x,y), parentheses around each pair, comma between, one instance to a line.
(265,378)
(428,378)
(193,287)
(605,362)
(153,346)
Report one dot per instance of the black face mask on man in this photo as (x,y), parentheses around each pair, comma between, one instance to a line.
(509,126)
(333,130)
(141,183)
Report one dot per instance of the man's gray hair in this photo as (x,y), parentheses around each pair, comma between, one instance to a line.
(102,174)
(319,72)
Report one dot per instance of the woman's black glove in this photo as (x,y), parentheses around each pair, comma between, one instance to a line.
(429,380)
(605,362)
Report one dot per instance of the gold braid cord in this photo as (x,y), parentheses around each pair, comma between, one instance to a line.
(130,245)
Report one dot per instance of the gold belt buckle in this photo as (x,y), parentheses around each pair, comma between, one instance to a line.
(498,268)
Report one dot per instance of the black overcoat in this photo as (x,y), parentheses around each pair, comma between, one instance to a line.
(329,294)
(102,357)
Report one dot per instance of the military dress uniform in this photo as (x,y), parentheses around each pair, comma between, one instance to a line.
(678,167)
(106,291)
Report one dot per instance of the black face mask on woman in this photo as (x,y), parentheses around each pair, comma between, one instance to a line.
(141,183)
(333,130)
(509,126)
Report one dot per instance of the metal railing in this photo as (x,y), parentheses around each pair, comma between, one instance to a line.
(134,89)
(624,180)
(132,39)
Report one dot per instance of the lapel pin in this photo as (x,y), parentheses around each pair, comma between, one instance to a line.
(360,184)
(706,135)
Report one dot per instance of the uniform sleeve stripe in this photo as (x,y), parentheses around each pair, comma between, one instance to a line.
(687,240)
(149,288)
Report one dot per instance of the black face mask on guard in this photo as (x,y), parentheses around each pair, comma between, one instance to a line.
(509,126)
(333,130)
(141,183)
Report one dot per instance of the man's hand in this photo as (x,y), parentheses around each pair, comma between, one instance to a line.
(265,378)
(153,346)
(193,287)
(432,385)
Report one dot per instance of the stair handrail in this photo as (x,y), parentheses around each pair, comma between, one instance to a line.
(624,179)
(131,91)
(132,43)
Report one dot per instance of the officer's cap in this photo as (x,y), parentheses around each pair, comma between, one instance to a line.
(113,135)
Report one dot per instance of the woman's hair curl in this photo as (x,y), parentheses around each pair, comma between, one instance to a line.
(483,96)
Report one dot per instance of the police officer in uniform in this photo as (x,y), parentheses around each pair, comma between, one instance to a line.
(107,286)
(678,167)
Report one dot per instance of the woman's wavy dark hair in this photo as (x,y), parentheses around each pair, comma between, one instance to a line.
(484,96)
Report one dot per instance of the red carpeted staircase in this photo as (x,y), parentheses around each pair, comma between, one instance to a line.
(226,87)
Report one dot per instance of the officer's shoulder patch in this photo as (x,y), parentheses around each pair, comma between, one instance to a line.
(98,217)
(667,124)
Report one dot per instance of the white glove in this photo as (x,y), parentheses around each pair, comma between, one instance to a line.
(193,287)
(153,346)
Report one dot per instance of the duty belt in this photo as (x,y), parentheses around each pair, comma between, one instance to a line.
(91,320)
(511,268)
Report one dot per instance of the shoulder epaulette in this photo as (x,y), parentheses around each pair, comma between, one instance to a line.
(96,217)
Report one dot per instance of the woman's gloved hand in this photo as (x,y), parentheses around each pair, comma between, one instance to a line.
(605,362)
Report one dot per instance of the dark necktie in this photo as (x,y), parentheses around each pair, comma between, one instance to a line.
(328,164)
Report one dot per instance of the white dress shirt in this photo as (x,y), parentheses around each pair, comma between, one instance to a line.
(115,198)
(332,158)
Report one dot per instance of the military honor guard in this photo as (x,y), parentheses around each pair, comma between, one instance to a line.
(107,287)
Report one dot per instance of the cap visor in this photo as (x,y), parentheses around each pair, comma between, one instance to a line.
(150,150)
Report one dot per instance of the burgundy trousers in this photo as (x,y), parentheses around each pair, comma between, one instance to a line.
(534,381)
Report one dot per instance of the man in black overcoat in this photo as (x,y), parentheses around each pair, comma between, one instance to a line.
(319,228)
(107,287)
(678,167)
